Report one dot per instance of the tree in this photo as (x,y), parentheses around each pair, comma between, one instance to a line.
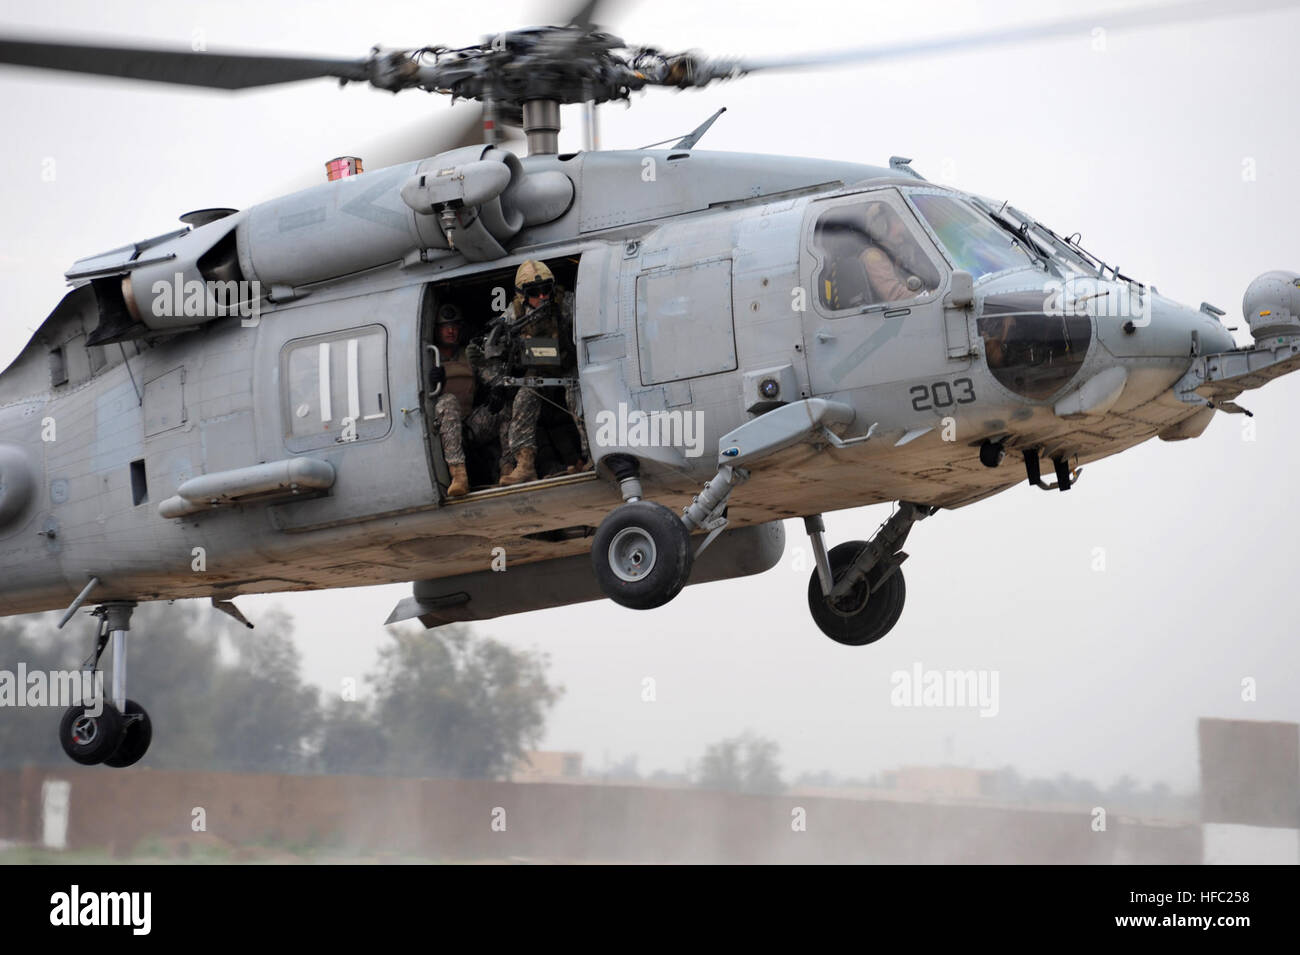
(352,741)
(453,704)
(174,671)
(746,763)
(263,715)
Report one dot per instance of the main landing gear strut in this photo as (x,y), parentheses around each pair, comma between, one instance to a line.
(118,732)
(642,555)
(856,592)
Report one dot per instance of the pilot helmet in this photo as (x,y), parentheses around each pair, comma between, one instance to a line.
(877,221)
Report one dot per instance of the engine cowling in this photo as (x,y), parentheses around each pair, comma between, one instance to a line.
(472,201)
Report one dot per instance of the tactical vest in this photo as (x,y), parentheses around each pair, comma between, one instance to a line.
(460,380)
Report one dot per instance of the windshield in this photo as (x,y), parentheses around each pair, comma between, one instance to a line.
(1066,255)
(974,243)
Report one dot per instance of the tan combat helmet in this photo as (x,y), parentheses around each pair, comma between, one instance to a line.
(532,271)
(531,275)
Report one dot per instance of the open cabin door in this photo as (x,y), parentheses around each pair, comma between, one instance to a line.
(487,389)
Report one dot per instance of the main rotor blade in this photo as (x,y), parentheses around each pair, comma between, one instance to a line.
(587,14)
(227,71)
(429,137)
(1109,20)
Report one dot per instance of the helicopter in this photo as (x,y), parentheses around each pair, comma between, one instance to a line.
(243,405)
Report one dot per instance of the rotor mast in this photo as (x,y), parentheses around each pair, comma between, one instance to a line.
(590,127)
(542,126)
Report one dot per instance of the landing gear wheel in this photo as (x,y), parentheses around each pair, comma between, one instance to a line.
(137,733)
(89,739)
(860,616)
(641,555)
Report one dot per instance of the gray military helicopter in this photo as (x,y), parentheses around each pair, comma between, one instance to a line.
(243,405)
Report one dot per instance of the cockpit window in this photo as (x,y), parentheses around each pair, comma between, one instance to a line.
(972,242)
(870,256)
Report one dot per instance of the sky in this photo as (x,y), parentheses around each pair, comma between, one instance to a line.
(1114,615)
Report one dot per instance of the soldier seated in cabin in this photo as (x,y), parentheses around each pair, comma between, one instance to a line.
(459,420)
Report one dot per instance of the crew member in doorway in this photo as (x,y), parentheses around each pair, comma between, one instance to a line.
(541,308)
(454,413)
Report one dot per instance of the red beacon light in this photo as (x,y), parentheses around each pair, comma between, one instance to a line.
(342,167)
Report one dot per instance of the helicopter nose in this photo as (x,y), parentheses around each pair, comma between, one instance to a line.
(1163,329)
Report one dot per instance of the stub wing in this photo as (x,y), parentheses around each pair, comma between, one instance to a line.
(1216,379)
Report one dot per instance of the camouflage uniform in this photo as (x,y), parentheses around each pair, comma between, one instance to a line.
(527,404)
(456,418)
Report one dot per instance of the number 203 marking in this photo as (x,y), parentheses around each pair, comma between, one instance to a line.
(941,394)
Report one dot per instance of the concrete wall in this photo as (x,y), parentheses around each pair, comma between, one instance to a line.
(453,819)
(1250,791)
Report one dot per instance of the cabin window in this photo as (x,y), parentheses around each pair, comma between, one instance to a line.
(335,388)
(869,255)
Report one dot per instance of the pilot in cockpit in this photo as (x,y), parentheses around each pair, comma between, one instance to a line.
(893,262)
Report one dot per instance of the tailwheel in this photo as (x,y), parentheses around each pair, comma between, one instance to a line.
(116,734)
(867,611)
(641,555)
(89,738)
(137,734)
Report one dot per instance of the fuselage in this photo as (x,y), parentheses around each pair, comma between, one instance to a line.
(698,279)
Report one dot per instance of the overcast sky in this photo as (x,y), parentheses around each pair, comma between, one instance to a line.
(1174,151)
